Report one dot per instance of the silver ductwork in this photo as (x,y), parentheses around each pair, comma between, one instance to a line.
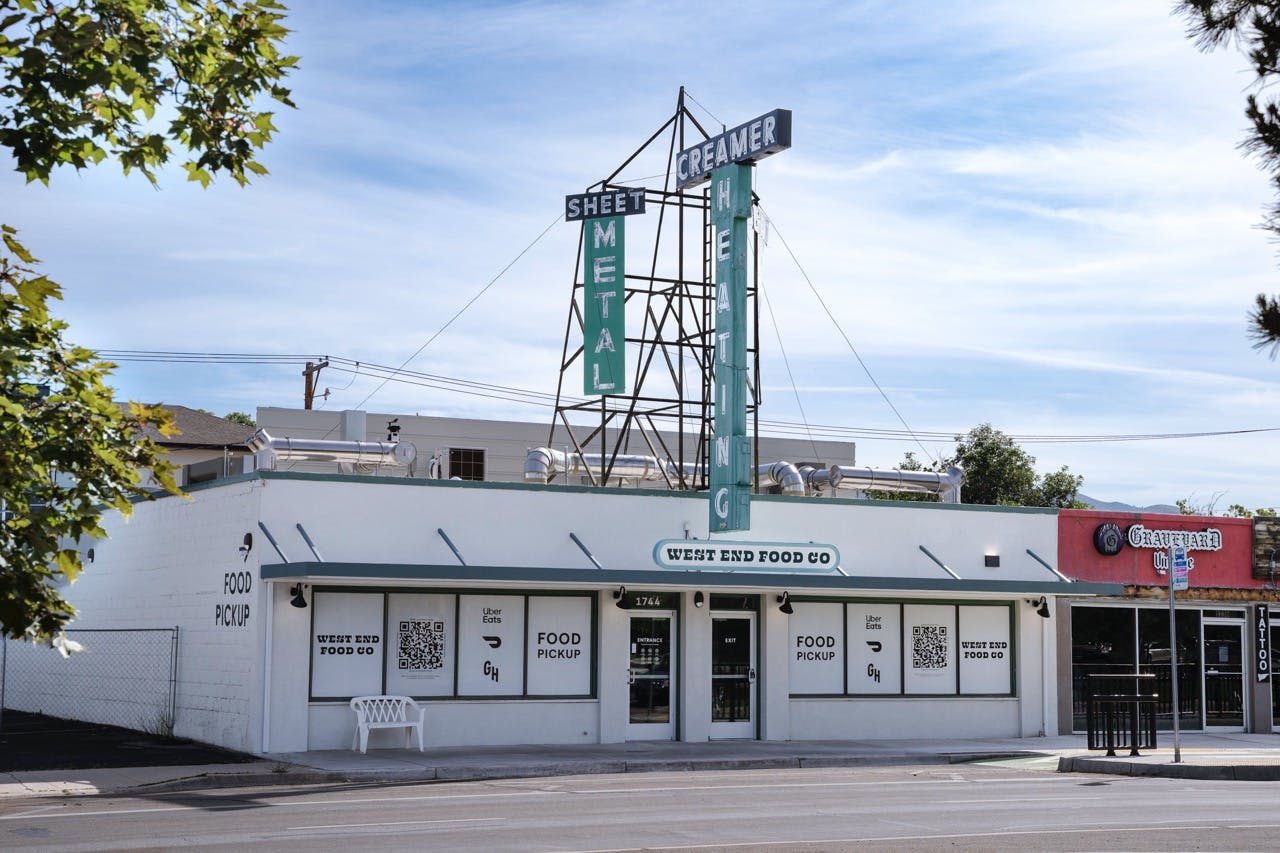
(367,453)
(783,474)
(543,463)
(946,485)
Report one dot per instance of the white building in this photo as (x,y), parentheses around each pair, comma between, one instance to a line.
(562,614)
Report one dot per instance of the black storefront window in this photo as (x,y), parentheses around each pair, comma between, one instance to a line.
(1115,640)
(1102,643)
(1153,657)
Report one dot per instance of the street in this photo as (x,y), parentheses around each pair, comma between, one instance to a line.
(956,807)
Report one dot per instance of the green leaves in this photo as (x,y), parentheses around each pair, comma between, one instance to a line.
(87,80)
(67,450)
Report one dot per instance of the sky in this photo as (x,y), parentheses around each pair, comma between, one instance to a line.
(1031,215)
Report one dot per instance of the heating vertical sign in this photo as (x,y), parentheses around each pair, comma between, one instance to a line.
(604,281)
(731,449)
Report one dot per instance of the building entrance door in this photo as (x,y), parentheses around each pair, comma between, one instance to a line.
(733,676)
(651,677)
(1224,684)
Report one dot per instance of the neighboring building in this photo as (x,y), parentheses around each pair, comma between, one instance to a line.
(561,614)
(1223,680)
(206,447)
(487,450)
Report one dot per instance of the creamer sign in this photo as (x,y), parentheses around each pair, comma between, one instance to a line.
(746,556)
(746,143)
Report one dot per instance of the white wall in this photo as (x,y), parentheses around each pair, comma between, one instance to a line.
(396,522)
(931,717)
(164,567)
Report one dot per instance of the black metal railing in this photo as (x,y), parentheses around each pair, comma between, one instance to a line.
(1120,715)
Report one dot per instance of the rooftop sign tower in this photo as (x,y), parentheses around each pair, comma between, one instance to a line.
(693,335)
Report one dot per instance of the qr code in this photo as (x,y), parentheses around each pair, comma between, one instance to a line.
(929,647)
(421,645)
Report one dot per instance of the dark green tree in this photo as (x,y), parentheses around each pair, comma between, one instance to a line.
(1253,26)
(82,81)
(997,471)
(240,418)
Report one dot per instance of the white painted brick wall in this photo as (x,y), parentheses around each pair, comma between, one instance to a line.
(165,567)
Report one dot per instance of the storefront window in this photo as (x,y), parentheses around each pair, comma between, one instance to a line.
(1118,640)
(1153,657)
(1102,643)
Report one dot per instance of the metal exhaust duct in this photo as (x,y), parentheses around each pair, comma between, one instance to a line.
(783,474)
(946,485)
(376,453)
(543,463)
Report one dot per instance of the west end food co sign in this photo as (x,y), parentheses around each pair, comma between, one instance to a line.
(746,556)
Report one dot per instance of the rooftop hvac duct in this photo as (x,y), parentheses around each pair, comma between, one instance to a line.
(945,485)
(783,474)
(384,453)
(543,463)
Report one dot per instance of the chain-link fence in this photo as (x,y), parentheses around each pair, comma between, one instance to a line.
(125,677)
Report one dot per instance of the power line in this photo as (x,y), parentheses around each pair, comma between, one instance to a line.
(545,399)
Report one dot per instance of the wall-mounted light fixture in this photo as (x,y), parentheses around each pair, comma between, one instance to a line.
(1041,605)
(991,561)
(620,598)
(89,555)
(784,603)
(698,599)
(246,547)
(296,592)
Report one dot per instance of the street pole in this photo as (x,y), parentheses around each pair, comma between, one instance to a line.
(1173,664)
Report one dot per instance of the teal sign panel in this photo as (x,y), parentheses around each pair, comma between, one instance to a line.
(604,329)
(730,449)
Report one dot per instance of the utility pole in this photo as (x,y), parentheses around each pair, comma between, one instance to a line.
(309,381)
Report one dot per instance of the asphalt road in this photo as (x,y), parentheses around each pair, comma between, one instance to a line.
(953,807)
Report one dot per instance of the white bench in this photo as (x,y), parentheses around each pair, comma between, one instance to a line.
(386,712)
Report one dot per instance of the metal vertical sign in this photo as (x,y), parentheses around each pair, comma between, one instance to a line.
(731,450)
(604,329)
(604,325)
(1262,640)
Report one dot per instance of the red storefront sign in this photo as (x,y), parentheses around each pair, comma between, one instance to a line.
(1131,548)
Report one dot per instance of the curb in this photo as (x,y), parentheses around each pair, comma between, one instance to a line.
(525,771)
(1212,772)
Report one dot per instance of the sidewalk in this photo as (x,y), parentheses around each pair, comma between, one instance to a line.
(1204,756)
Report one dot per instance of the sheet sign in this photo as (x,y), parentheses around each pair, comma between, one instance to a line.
(731,449)
(1262,640)
(603,321)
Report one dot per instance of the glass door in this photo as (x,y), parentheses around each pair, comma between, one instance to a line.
(651,678)
(1224,685)
(733,676)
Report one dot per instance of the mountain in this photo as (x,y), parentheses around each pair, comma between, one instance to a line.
(1118,506)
